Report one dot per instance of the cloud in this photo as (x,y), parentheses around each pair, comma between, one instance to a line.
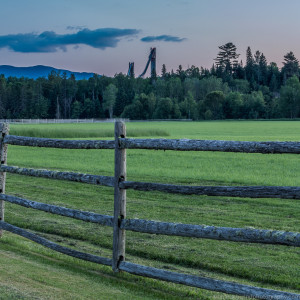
(162,38)
(75,27)
(49,41)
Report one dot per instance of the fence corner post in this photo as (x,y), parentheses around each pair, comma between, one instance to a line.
(119,198)
(4,129)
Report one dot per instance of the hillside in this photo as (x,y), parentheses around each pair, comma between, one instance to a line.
(35,72)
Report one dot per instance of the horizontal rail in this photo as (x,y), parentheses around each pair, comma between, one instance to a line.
(211,145)
(42,241)
(57,143)
(62,211)
(159,144)
(207,283)
(283,192)
(71,176)
(248,235)
(187,230)
(190,280)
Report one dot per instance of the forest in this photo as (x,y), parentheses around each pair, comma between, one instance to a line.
(231,89)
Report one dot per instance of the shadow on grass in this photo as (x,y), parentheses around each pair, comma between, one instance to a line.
(134,284)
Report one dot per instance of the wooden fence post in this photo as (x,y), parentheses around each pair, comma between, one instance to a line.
(4,129)
(119,198)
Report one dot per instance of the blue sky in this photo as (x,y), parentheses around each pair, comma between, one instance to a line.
(103,36)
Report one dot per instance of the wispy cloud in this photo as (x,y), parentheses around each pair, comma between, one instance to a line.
(49,41)
(75,27)
(162,38)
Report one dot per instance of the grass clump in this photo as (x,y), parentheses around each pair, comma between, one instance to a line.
(77,131)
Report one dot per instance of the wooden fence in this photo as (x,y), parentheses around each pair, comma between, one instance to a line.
(120,223)
(54,121)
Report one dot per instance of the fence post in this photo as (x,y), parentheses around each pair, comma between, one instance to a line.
(4,129)
(119,198)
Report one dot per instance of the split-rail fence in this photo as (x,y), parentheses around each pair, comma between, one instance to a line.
(120,223)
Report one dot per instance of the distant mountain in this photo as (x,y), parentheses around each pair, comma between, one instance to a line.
(39,71)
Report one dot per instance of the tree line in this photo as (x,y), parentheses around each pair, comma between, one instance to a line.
(228,90)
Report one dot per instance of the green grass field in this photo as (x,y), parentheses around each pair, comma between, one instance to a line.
(29,271)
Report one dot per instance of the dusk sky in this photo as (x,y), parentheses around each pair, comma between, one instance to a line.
(104,36)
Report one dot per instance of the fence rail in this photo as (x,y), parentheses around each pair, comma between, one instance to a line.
(190,280)
(70,176)
(42,241)
(211,145)
(120,223)
(50,121)
(159,144)
(62,211)
(283,192)
(207,283)
(57,143)
(248,235)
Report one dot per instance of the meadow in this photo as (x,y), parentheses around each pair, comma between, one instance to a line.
(29,271)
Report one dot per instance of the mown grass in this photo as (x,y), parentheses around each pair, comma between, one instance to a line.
(263,265)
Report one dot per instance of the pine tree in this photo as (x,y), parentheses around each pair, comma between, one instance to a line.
(290,65)
(163,71)
(263,67)
(256,66)
(249,68)
(227,58)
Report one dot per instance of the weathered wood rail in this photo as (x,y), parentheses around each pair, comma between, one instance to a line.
(120,223)
(70,176)
(283,192)
(55,143)
(248,235)
(204,145)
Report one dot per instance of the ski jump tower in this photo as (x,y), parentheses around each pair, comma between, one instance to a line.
(130,72)
(152,59)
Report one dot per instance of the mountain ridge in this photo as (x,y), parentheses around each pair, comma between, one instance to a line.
(37,71)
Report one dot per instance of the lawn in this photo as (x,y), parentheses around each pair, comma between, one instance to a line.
(29,271)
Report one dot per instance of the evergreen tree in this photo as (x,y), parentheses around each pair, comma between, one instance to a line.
(290,65)
(227,58)
(256,67)
(163,71)
(180,72)
(249,68)
(273,77)
(213,71)
(193,72)
(263,68)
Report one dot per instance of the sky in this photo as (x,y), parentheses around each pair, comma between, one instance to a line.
(104,36)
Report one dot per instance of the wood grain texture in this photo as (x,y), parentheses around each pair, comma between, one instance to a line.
(4,130)
(58,143)
(62,211)
(283,192)
(42,241)
(207,283)
(248,235)
(211,145)
(119,198)
(71,176)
